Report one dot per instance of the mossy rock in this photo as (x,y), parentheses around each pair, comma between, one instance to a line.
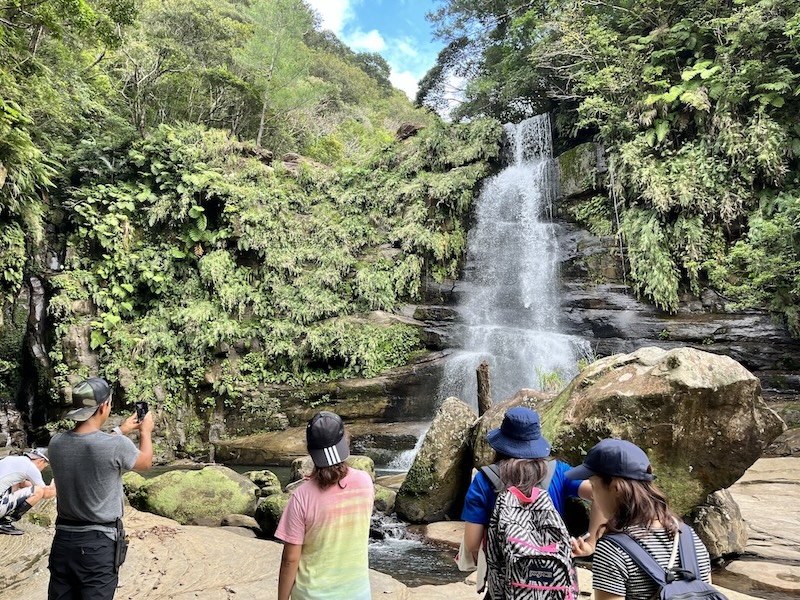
(384,499)
(269,511)
(264,479)
(205,496)
(439,477)
(699,416)
(578,170)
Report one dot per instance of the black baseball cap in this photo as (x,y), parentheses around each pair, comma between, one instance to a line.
(87,396)
(326,441)
(615,458)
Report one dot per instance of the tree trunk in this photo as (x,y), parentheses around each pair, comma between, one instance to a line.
(261,124)
(484,388)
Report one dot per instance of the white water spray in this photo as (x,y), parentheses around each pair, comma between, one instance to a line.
(509,301)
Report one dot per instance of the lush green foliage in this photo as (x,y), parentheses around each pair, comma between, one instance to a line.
(207,266)
(696,104)
(203,265)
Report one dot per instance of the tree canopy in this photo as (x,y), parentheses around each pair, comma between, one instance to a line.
(190,177)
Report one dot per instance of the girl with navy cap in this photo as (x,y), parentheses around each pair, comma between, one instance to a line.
(622,481)
(523,461)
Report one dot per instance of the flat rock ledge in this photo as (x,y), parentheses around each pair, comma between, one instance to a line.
(769,497)
(171,561)
(167,560)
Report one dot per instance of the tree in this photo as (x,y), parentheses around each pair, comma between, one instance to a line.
(275,55)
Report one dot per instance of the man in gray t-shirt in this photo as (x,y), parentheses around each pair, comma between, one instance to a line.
(88,465)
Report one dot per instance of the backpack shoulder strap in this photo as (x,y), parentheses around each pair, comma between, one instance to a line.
(492,473)
(687,552)
(639,555)
(548,476)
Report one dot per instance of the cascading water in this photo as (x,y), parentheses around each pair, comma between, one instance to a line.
(509,297)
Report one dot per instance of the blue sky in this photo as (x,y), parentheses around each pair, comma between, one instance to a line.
(396,29)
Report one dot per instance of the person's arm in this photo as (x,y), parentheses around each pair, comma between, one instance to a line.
(145,458)
(597,519)
(473,538)
(290,561)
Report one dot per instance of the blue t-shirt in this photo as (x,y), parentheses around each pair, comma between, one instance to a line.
(480,499)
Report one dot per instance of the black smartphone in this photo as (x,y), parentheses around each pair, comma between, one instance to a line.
(141,411)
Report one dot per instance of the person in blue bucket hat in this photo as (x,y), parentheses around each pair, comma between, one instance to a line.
(523,459)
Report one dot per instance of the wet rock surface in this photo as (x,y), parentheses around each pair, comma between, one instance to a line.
(438,478)
(376,440)
(599,306)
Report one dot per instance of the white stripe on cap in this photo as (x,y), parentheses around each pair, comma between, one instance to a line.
(332,456)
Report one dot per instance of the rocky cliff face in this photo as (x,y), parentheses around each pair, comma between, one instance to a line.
(599,305)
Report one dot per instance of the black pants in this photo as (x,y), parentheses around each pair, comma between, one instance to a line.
(82,566)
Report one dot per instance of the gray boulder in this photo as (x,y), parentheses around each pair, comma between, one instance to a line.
(699,416)
(439,476)
(719,524)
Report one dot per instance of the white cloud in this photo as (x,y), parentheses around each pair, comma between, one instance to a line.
(405,47)
(334,13)
(372,41)
(405,81)
(407,62)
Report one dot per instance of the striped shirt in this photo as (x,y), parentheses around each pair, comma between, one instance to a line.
(614,572)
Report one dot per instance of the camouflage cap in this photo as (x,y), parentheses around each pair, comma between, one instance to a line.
(87,396)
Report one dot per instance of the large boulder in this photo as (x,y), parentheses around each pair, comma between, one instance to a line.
(199,496)
(482,452)
(269,511)
(719,524)
(439,476)
(699,416)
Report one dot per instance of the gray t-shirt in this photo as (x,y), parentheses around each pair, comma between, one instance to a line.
(88,468)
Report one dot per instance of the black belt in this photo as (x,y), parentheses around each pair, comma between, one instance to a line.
(74,523)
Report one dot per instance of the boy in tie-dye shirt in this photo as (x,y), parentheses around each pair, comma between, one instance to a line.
(325,527)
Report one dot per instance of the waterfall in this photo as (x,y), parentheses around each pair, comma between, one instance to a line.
(508,298)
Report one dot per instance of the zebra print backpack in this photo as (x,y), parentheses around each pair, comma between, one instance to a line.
(528,550)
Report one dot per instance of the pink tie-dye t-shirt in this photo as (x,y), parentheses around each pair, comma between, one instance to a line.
(332,525)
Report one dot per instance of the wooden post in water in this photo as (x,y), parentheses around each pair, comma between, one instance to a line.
(484,388)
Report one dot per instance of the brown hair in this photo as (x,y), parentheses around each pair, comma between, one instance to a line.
(522,473)
(638,503)
(328,476)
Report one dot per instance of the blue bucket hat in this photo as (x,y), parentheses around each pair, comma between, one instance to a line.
(615,458)
(520,435)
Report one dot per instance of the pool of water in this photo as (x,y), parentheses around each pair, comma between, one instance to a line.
(414,562)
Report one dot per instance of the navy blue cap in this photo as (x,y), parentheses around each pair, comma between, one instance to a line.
(615,458)
(520,435)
